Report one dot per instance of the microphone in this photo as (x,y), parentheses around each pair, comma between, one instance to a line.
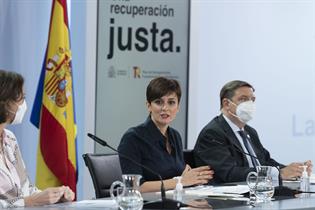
(253,156)
(165,203)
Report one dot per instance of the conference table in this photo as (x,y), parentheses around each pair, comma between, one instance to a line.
(200,202)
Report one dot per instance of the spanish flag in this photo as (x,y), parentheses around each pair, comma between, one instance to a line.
(53,110)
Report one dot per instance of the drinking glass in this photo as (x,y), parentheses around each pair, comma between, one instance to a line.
(127,195)
(261,185)
(264,189)
(251,183)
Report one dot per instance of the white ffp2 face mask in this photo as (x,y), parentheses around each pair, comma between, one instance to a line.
(245,110)
(19,113)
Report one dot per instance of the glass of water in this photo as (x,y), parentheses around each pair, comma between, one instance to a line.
(251,183)
(264,189)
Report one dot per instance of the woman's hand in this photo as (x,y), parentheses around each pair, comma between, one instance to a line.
(68,194)
(49,196)
(195,176)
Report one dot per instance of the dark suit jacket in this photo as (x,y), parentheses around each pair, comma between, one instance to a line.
(227,160)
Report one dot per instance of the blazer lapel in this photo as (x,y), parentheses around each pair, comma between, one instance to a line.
(230,134)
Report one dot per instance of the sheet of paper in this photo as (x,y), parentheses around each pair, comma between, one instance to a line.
(95,203)
(238,189)
(222,191)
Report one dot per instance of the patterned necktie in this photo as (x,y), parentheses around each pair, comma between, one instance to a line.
(248,148)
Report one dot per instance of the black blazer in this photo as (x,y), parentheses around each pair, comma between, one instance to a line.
(229,164)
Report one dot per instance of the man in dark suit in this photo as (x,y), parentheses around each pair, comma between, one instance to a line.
(225,140)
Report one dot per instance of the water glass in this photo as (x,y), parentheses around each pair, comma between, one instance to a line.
(260,183)
(127,193)
(251,182)
(264,189)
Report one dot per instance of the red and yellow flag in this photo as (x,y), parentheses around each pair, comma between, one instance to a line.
(53,110)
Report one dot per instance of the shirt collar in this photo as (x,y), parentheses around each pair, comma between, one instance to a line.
(232,125)
(153,129)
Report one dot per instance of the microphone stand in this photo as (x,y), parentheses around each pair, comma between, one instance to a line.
(164,203)
(280,190)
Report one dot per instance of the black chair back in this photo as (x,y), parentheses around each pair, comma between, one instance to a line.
(189,157)
(104,170)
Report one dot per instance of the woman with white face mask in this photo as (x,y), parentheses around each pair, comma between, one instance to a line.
(15,187)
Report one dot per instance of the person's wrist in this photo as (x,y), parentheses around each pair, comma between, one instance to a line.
(184,181)
(27,201)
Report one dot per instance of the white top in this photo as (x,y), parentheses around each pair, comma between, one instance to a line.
(14,181)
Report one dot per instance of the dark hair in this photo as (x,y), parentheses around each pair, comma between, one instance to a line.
(229,88)
(11,90)
(162,86)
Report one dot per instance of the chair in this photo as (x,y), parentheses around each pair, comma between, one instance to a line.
(189,157)
(104,170)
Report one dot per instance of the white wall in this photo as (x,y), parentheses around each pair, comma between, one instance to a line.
(269,44)
(89,100)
